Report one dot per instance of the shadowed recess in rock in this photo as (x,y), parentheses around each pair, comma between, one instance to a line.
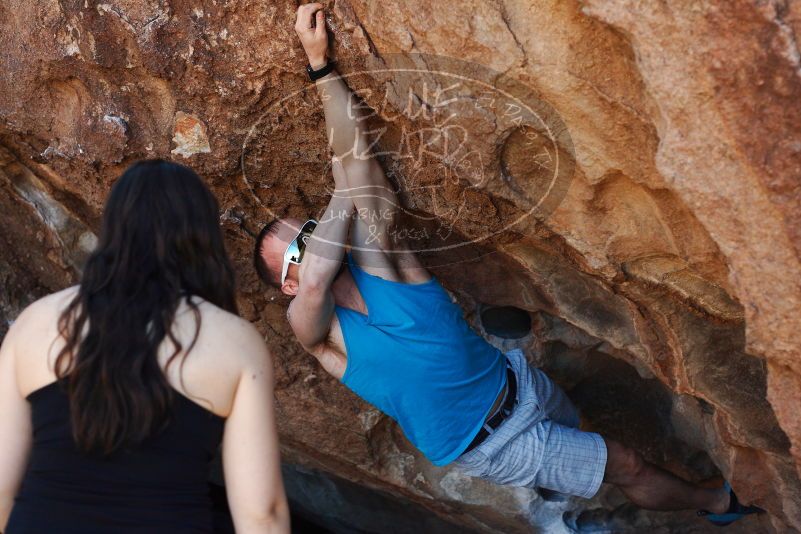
(339,506)
(506,322)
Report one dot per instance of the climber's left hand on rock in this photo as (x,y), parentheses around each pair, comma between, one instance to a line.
(310,27)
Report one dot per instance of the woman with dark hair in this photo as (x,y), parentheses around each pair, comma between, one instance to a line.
(115,394)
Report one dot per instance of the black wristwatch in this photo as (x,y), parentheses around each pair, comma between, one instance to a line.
(319,73)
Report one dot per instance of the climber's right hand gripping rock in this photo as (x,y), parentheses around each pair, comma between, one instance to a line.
(310,27)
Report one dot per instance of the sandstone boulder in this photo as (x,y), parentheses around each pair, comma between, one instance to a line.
(643,205)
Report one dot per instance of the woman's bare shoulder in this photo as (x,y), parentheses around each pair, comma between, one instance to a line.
(34,336)
(241,341)
(43,313)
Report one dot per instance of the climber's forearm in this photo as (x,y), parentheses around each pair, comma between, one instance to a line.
(346,126)
(345,121)
(346,139)
(312,309)
(326,248)
(374,197)
(344,117)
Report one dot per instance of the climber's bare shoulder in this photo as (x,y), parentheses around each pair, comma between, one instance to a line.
(331,352)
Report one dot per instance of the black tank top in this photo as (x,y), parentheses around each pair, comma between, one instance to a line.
(160,487)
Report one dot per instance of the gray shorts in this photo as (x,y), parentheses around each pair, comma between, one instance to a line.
(539,444)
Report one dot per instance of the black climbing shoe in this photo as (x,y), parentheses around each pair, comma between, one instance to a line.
(735,512)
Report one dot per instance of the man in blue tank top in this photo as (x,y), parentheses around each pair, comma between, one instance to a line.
(380,323)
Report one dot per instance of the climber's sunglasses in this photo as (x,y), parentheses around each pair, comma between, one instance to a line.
(294,251)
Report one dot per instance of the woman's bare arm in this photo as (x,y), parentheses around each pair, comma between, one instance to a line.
(251,456)
(15,424)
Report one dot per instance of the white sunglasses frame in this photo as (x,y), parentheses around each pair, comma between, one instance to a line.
(288,257)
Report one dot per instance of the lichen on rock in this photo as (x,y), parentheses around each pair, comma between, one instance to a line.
(190,136)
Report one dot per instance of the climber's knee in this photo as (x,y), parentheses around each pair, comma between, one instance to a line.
(624,465)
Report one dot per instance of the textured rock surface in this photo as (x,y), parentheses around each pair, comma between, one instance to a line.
(663,289)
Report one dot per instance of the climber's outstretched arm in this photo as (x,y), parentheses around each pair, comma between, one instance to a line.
(345,120)
(311,311)
(346,125)
(373,196)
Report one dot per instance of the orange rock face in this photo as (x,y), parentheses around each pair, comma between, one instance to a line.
(629,173)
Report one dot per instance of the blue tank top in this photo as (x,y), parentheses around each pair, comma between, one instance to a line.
(415,358)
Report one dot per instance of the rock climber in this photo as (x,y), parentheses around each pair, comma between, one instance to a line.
(387,329)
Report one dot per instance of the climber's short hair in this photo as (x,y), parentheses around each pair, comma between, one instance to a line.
(262,269)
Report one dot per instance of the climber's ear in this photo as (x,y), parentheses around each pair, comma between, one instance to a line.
(290,286)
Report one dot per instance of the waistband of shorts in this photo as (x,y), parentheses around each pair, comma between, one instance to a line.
(506,430)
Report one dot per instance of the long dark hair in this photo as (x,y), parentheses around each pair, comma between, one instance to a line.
(160,242)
